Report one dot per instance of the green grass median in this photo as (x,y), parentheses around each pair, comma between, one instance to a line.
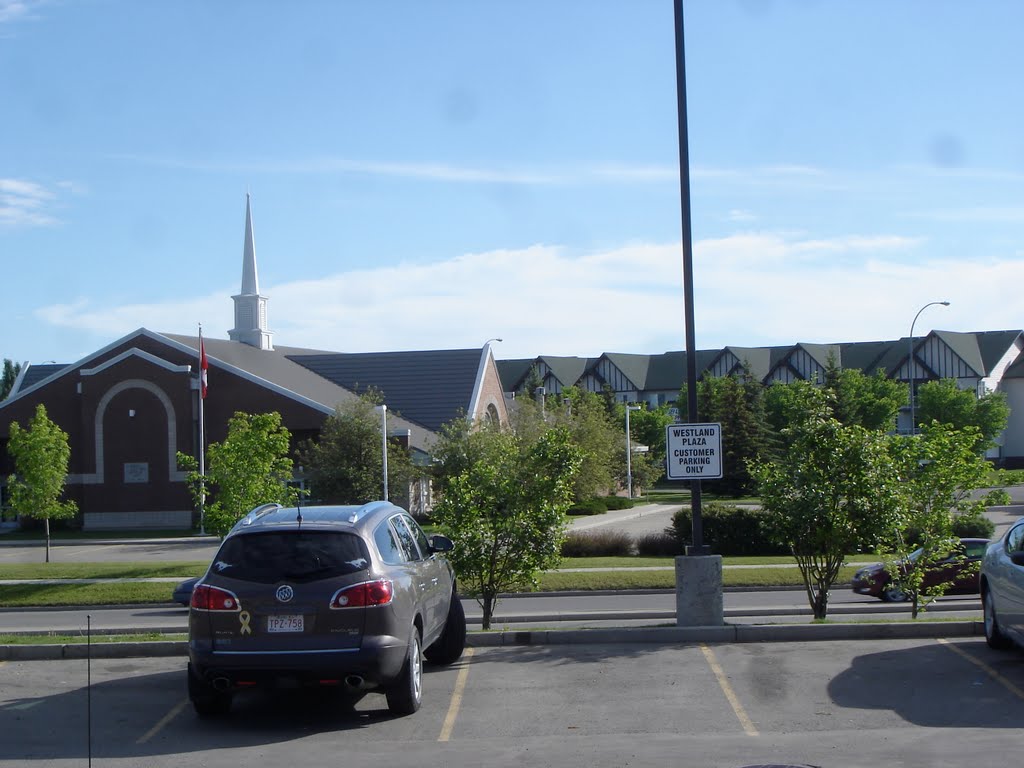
(113,592)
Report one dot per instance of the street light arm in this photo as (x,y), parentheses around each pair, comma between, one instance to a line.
(922,309)
(910,360)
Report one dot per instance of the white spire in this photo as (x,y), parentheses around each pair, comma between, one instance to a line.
(250,280)
(250,307)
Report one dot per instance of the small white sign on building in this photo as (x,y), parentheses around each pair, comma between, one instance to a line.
(693,451)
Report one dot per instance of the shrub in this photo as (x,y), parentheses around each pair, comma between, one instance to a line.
(728,530)
(658,545)
(974,527)
(597,544)
(617,502)
(588,507)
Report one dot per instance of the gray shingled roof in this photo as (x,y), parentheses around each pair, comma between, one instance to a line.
(1016,369)
(633,367)
(428,387)
(512,372)
(568,370)
(993,345)
(981,350)
(287,368)
(37,373)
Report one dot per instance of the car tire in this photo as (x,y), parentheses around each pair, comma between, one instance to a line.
(448,648)
(207,701)
(993,635)
(406,694)
(893,595)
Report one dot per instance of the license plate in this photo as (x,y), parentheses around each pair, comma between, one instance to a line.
(289,623)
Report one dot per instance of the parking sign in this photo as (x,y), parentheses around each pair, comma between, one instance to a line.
(693,451)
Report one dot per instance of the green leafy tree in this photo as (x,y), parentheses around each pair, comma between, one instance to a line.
(736,402)
(250,467)
(939,468)
(600,440)
(505,508)
(834,488)
(872,402)
(7,378)
(41,456)
(647,428)
(855,399)
(345,464)
(945,402)
(532,382)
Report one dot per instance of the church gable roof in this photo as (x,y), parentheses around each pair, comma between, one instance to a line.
(428,387)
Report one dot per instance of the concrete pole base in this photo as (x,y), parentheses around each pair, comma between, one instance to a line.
(699,591)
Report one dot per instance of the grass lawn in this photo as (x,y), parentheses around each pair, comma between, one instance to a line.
(757,577)
(184,569)
(73,535)
(126,593)
(108,593)
(58,639)
(647,562)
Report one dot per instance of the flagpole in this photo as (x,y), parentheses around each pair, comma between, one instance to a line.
(202,434)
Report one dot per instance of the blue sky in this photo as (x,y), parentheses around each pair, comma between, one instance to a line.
(433,175)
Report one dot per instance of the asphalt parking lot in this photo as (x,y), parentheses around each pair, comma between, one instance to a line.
(847,703)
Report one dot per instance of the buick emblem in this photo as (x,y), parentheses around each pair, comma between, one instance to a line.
(285,593)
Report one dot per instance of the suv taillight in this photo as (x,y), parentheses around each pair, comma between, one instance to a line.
(368,593)
(207,598)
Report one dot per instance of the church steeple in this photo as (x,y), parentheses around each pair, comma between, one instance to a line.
(250,307)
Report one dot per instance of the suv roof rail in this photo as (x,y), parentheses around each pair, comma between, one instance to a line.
(258,512)
(367,509)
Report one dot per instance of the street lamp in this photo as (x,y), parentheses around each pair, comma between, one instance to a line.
(384,443)
(910,361)
(629,453)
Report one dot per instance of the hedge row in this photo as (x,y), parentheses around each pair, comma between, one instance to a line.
(599,505)
(729,530)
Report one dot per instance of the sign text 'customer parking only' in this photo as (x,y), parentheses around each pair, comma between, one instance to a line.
(693,451)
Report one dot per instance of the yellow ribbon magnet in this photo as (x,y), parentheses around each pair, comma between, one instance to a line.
(244,618)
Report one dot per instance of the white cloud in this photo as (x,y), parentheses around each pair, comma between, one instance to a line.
(738,216)
(25,204)
(983,214)
(16,10)
(750,289)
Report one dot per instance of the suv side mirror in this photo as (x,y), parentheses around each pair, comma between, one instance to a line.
(439,543)
(1017,558)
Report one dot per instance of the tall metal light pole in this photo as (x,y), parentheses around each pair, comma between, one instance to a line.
(910,361)
(698,547)
(629,453)
(384,444)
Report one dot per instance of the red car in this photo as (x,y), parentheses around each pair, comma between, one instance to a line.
(960,567)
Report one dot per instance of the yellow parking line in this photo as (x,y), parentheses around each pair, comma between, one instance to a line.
(460,687)
(730,695)
(1011,687)
(163,722)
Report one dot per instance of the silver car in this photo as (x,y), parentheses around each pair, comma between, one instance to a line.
(338,596)
(1002,589)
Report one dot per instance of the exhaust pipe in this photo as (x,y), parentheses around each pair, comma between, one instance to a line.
(221,684)
(354,681)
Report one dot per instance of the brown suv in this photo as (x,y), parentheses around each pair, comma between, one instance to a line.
(346,596)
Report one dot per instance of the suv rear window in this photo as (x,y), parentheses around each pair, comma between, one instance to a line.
(299,556)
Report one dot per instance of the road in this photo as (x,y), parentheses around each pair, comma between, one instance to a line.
(642,519)
(935,703)
(532,611)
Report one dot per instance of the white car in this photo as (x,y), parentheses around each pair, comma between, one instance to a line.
(1002,589)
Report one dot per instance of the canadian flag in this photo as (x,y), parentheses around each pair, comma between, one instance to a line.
(203,366)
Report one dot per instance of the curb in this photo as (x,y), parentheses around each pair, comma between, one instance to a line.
(729,633)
